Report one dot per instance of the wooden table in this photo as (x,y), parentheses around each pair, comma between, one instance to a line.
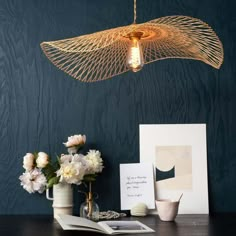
(184,225)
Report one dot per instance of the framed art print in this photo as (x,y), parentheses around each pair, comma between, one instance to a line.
(179,155)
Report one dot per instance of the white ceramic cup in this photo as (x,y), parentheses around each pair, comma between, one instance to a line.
(167,209)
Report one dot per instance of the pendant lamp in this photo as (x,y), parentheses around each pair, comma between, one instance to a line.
(105,54)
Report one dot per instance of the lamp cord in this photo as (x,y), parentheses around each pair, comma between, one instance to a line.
(135,14)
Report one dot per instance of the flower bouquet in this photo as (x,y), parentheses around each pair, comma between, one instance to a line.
(42,173)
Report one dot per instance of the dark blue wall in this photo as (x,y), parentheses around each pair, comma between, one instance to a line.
(41,106)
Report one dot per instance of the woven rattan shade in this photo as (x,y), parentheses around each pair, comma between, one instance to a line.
(102,55)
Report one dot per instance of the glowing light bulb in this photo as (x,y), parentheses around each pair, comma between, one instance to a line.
(135,59)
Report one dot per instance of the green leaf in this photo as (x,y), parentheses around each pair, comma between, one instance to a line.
(52,181)
(56,165)
(49,171)
(89,178)
(58,160)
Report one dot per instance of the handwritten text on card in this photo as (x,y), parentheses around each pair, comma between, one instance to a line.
(137,185)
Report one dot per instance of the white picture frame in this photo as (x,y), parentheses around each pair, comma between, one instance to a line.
(180,151)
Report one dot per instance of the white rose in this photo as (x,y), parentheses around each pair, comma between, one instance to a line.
(28,161)
(75,140)
(42,160)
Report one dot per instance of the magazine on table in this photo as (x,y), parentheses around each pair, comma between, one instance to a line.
(69,222)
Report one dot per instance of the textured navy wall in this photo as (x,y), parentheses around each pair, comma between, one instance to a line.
(41,106)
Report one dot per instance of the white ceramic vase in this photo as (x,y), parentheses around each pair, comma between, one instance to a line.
(62,199)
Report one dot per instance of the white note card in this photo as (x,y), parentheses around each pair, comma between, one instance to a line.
(136,185)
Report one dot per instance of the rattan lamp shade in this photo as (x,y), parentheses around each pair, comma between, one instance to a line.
(102,55)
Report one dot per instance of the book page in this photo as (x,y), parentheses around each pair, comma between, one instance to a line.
(69,222)
(127,227)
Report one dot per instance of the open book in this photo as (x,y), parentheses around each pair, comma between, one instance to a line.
(69,222)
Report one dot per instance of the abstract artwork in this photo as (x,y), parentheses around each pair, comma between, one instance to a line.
(179,156)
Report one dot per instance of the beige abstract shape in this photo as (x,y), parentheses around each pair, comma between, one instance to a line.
(179,157)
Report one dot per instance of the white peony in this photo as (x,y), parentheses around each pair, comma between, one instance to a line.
(42,160)
(72,172)
(79,158)
(28,162)
(33,181)
(66,158)
(94,162)
(75,140)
